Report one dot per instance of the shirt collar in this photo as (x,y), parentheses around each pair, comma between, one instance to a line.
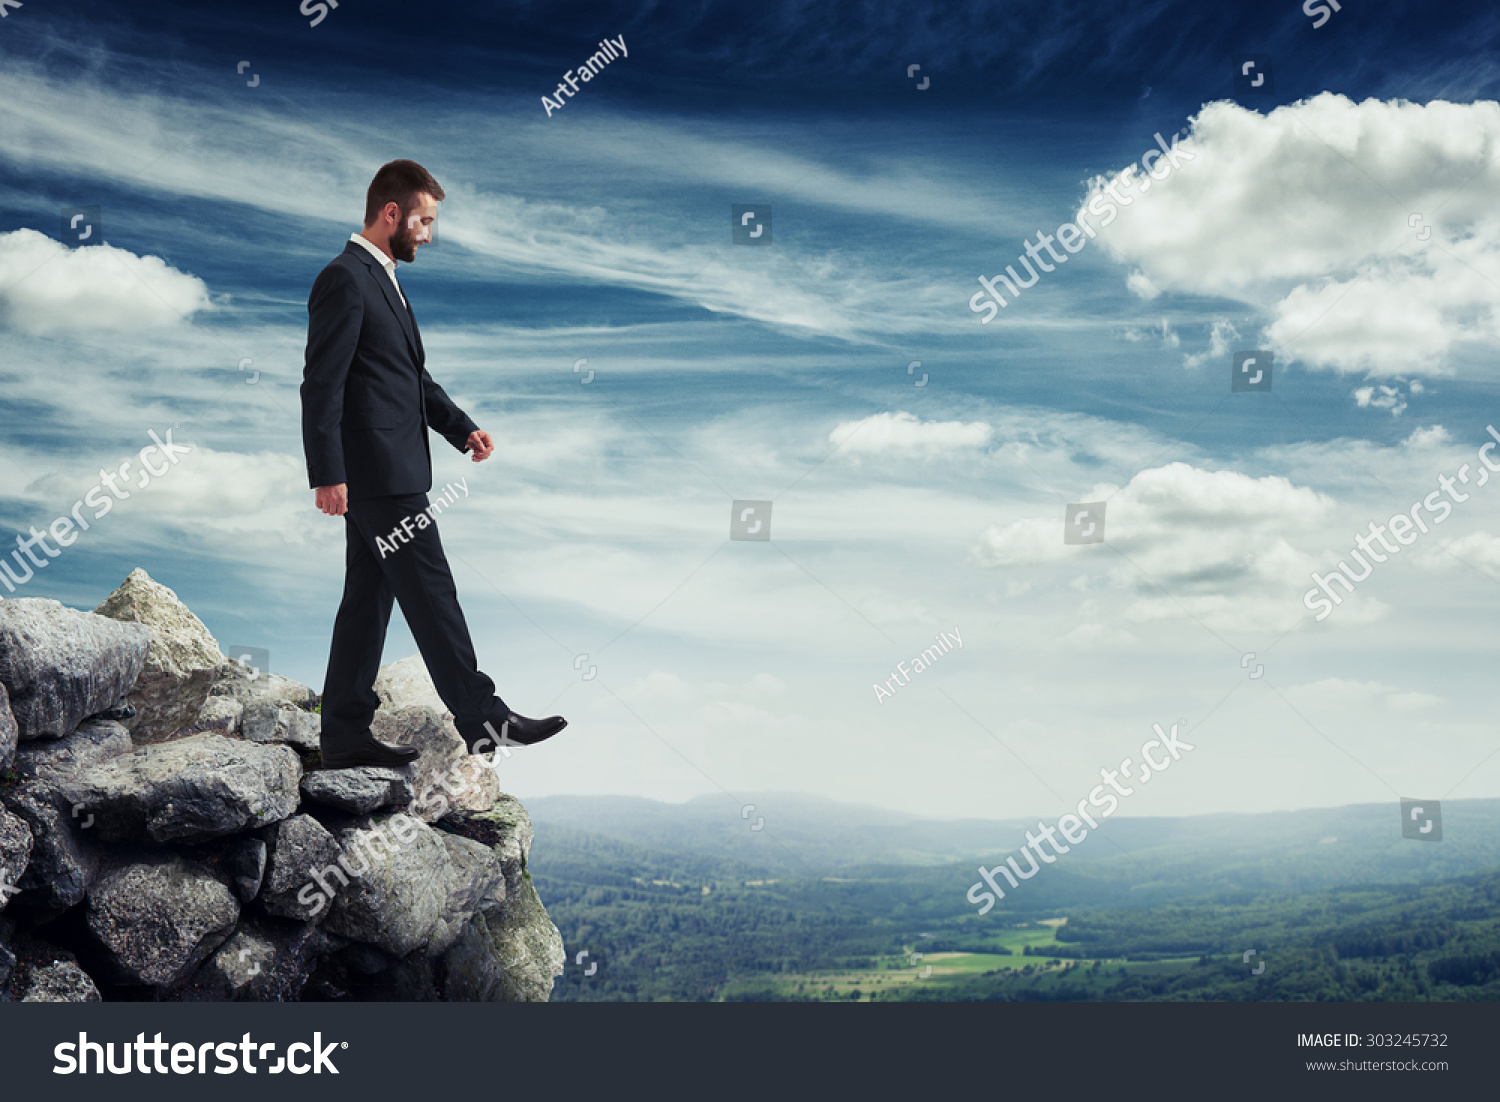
(386,262)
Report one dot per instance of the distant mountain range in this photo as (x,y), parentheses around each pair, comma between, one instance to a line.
(809,836)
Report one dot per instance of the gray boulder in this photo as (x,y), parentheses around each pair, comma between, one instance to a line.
(398,883)
(235,679)
(15,854)
(64,859)
(64,853)
(245,862)
(302,873)
(267,960)
(407,684)
(231,970)
(507,953)
(476,881)
(412,979)
(61,981)
(10,734)
(267,720)
(190,789)
(357,791)
(94,742)
(220,715)
(445,775)
(183,662)
(158,916)
(506,828)
(61,666)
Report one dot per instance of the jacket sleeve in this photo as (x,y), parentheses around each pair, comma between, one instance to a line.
(452,423)
(335,314)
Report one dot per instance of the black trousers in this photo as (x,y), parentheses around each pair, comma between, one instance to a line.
(391,556)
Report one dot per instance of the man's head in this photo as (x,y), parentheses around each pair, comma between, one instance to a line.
(400,208)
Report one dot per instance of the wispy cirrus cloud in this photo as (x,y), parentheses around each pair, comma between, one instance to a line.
(323,159)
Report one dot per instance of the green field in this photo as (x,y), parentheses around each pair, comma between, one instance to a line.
(1020,950)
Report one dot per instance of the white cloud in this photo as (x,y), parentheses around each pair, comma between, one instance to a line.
(1478,549)
(1138,284)
(1305,211)
(1222,338)
(903,433)
(1434,436)
(1388,397)
(1213,540)
(1023,543)
(1180,493)
(47,287)
(241,501)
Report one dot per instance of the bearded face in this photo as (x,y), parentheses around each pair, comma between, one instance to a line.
(415,229)
(404,240)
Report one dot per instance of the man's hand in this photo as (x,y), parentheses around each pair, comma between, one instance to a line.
(334,500)
(481,445)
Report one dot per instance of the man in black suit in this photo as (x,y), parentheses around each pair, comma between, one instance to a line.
(367,402)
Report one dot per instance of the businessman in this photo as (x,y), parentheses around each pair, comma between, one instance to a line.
(367,403)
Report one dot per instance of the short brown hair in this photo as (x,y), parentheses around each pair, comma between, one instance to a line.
(399,182)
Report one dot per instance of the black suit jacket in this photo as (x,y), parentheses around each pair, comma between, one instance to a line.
(367,400)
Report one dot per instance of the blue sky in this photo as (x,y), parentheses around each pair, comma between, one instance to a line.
(724,372)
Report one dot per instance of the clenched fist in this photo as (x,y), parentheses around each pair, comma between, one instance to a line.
(333,500)
(481,445)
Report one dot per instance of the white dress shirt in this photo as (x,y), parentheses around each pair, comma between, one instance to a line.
(385,262)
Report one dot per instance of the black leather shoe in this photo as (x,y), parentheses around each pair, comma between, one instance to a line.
(513,730)
(369,751)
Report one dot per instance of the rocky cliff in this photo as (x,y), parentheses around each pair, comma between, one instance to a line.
(166,832)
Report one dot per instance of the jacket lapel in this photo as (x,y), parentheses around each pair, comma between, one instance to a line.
(388,289)
(417,333)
